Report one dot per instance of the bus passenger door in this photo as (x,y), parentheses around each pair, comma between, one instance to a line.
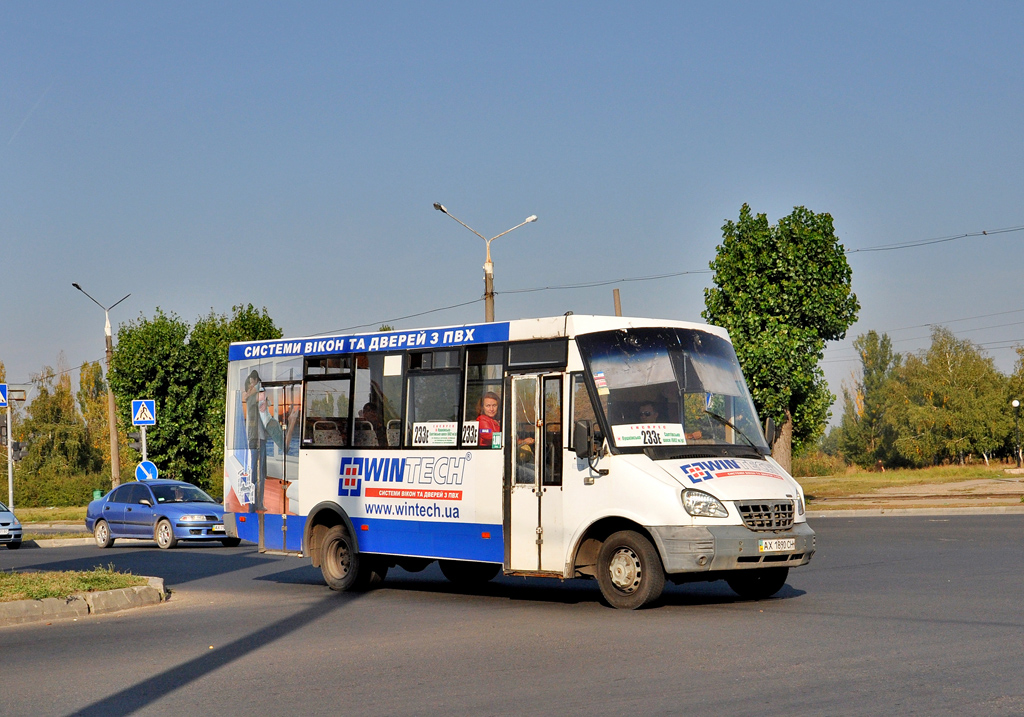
(279,414)
(534,436)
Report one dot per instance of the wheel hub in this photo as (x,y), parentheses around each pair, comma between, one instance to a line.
(625,570)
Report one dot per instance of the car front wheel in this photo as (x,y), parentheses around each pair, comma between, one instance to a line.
(164,535)
(14,546)
(101,531)
(231,542)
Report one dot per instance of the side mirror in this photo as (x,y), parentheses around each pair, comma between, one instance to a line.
(583,439)
(145,501)
(769,431)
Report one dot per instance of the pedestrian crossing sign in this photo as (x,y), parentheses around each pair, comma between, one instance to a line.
(144,412)
(3,395)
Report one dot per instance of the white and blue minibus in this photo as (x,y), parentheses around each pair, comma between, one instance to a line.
(622,449)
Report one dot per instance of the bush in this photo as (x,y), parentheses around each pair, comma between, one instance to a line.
(817,464)
(49,488)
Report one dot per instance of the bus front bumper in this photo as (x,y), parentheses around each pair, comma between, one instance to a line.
(731,547)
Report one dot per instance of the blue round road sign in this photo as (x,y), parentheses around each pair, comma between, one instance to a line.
(145,471)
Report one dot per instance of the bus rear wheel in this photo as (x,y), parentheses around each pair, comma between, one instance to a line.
(629,570)
(345,569)
(758,584)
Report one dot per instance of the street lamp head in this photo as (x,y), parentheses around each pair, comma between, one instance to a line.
(76,286)
(531,218)
(1015,403)
(440,207)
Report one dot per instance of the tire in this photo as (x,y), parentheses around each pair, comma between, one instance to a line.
(163,534)
(231,542)
(101,531)
(343,568)
(758,584)
(629,571)
(14,546)
(466,573)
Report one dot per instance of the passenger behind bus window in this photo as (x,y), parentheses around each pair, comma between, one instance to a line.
(647,413)
(370,414)
(488,418)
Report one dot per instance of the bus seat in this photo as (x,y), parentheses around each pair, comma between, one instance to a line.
(394,432)
(365,435)
(326,433)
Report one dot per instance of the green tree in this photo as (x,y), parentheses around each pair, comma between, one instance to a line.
(1014,392)
(864,437)
(183,369)
(211,336)
(782,291)
(948,403)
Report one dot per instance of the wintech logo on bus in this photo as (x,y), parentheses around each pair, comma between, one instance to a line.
(701,471)
(407,472)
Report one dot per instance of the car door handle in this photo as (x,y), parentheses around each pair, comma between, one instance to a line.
(129,510)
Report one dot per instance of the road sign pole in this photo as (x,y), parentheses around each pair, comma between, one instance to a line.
(144,443)
(10,461)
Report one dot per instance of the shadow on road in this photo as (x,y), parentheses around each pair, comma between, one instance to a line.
(148,691)
(568,592)
(177,567)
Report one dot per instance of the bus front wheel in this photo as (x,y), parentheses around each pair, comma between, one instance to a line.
(345,569)
(629,570)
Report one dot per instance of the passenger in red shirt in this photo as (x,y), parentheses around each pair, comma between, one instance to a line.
(488,420)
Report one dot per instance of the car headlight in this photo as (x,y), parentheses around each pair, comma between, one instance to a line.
(799,505)
(192,519)
(699,503)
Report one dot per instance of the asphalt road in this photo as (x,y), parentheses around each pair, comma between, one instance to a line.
(893,615)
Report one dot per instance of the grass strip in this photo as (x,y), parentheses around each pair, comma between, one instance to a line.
(858,482)
(63,584)
(50,515)
(54,536)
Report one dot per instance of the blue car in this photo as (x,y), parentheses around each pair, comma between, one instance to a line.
(165,510)
(10,529)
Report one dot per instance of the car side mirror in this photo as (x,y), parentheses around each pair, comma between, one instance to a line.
(583,439)
(769,431)
(145,501)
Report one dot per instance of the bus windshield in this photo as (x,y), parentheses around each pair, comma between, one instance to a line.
(671,387)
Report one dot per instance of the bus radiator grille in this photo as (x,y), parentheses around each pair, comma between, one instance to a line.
(777,515)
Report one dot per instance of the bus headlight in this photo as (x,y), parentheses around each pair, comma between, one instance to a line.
(699,503)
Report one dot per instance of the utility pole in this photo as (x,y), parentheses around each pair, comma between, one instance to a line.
(115,455)
(488,264)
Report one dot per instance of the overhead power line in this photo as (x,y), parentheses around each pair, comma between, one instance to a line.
(937,240)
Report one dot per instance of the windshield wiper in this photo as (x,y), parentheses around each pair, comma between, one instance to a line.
(729,423)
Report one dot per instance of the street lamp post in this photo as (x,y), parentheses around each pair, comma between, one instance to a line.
(1016,428)
(488,264)
(115,456)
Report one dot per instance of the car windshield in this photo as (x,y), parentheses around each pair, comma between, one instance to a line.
(665,388)
(180,494)
(3,508)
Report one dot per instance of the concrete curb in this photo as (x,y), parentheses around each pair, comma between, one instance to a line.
(68,542)
(875,512)
(102,602)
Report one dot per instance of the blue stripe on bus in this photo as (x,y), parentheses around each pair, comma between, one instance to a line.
(454,541)
(248,528)
(377,341)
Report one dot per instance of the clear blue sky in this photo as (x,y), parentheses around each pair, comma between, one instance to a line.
(200,155)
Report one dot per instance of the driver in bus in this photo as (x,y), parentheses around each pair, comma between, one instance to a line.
(488,419)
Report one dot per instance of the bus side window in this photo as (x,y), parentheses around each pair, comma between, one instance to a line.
(378,400)
(326,419)
(552,407)
(433,385)
(481,417)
